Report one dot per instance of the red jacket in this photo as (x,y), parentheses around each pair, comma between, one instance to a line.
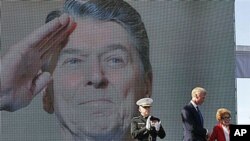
(217,134)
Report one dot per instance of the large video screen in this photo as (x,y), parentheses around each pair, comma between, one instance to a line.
(102,60)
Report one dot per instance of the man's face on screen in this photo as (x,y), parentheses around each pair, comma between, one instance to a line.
(97,80)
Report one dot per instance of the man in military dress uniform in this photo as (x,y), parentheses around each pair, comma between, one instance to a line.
(146,127)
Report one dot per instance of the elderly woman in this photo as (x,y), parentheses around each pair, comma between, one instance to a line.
(221,130)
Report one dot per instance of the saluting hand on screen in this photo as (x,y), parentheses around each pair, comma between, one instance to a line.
(21,76)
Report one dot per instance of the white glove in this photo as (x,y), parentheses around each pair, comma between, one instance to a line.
(148,124)
(157,125)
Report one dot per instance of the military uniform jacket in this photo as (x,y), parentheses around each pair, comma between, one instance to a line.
(139,131)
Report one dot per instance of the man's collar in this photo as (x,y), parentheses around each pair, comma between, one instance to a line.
(144,117)
(195,105)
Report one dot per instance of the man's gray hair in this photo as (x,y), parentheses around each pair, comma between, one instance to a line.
(112,10)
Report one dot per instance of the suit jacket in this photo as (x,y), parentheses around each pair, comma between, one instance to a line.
(193,129)
(217,134)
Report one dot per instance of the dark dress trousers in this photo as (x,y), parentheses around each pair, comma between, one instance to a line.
(139,131)
(192,124)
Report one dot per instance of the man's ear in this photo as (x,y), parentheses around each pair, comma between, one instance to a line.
(48,99)
(148,81)
(139,109)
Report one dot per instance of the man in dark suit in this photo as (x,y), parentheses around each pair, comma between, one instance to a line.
(192,118)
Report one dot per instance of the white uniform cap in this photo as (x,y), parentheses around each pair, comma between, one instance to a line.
(145,102)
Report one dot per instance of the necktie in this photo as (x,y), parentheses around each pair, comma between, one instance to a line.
(201,118)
